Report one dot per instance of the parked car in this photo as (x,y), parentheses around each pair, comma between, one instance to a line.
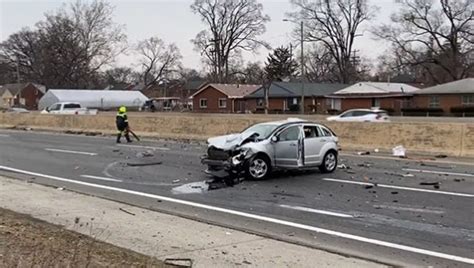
(361,115)
(17,110)
(68,108)
(261,148)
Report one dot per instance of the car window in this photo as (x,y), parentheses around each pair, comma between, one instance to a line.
(72,106)
(310,132)
(324,132)
(360,113)
(347,114)
(263,130)
(55,107)
(290,134)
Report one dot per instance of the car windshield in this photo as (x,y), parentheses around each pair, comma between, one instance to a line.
(263,130)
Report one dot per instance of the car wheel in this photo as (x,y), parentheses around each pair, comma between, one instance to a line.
(258,168)
(329,163)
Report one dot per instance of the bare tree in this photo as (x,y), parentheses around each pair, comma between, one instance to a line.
(69,47)
(434,35)
(157,59)
(120,75)
(335,25)
(320,65)
(231,26)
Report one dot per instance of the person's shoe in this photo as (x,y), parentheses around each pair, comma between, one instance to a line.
(119,142)
(129,141)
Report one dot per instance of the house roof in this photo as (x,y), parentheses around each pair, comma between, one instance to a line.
(17,87)
(231,90)
(363,88)
(457,87)
(293,89)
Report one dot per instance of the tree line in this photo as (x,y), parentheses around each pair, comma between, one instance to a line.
(77,45)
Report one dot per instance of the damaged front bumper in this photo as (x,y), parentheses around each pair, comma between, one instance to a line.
(231,165)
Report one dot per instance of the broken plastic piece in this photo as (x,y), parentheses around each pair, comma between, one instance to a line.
(399,151)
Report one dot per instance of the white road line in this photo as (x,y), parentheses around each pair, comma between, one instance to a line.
(400,187)
(255,217)
(438,172)
(407,159)
(144,147)
(69,152)
(100,178)
(318,211)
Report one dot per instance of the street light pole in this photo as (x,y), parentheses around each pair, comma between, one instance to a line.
(302,71)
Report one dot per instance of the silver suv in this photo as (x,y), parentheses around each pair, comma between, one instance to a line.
(261,148)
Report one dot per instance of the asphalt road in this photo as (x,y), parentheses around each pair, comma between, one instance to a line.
(393,211)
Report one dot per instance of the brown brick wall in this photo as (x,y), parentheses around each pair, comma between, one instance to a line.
(446,102)
(32,95)
(212,95)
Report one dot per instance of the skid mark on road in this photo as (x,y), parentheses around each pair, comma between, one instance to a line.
(254,217)
(144,147)
(399,187)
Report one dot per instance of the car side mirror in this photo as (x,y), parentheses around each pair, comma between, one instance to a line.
(47,109)
(275,139)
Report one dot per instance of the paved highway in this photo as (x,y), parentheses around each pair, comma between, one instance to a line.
(394,211)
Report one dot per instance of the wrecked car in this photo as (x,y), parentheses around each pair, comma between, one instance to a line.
(264,147)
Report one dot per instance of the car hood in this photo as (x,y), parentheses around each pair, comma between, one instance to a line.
(229,142)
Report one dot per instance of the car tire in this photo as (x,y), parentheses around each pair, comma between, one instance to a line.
(258,168)
(329,163)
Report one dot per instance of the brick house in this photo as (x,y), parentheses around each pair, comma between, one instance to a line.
(286,96)
(26,95)
(222,98)
(388,96)
(447,97)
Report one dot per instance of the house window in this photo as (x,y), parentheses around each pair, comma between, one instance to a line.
(203,103)
(468,100)
(259,102)
(222,103)
(434,101)
(376,103)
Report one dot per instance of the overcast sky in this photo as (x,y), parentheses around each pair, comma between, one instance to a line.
(173,21)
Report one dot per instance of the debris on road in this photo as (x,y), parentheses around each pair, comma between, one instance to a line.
(343,166)
(145,154)
(144,164)
(429,183)
(399,151)
(441,156)
(459,180)
(369,186)
(176,181)
(185,263)
(126,211)
(363,153)
(394,192)
(376,150)
(367,165)
(408,175)
(60,188)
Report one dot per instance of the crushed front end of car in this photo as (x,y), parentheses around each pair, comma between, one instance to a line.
(226,158)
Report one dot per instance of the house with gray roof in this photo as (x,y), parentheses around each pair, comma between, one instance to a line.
(26,95)
(286,96)
(452,97)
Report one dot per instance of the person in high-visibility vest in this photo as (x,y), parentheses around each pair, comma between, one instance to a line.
(122,124)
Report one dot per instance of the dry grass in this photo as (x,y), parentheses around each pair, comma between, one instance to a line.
(28,242)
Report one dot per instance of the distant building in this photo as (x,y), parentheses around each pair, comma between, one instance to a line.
(222,98)
(389,96)
(98,99)
(286,96)
(450,97)
(26,95)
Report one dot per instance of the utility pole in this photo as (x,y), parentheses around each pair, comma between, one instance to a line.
(302,70)
(18,79)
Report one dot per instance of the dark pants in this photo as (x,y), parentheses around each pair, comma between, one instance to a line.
(123,130)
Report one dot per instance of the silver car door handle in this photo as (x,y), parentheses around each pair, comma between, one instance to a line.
(323,140)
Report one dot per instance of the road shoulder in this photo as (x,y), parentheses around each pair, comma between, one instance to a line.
(161,235)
